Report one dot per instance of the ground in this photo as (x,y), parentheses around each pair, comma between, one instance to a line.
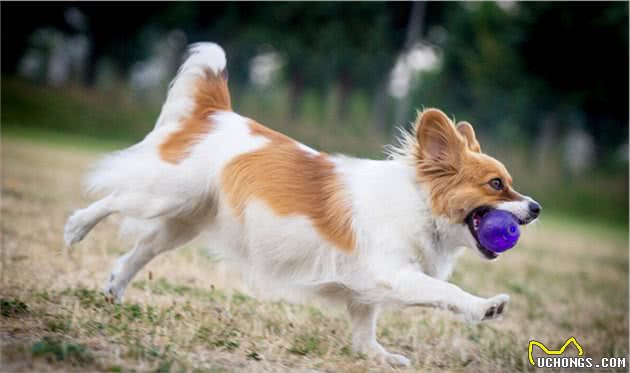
(188,312)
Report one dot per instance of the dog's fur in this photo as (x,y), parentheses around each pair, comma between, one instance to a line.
(363,232)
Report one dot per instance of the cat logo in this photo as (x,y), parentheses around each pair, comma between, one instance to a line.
(553,352)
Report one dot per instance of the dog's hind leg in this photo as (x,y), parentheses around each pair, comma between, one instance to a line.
(135,205)
(81,222)
(164,235)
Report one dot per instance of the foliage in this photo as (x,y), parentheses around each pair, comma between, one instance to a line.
(506,67)
(507,70)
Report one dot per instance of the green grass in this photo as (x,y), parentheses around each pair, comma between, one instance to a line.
(12,307)
(307,343)
(61,139)
(75,111)
(59,350)
(162,286)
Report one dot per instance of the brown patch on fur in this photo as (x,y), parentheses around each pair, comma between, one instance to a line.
(450,162)
(291,182)
(258,129)
(211,95)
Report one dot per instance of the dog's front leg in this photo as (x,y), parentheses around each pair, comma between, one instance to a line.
(363,318)
(412,287)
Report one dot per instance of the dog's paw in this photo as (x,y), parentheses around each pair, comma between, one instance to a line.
(113,294)
(117,281)
(376,352)
(495,307)
(486,309)
(76,228)
(395,359)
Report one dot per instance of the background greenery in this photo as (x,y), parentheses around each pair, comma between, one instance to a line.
(525,75)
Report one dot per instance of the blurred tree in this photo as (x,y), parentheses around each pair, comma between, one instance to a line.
(506,66)
(339,44)
(413,34)
(509,68)
(579,55)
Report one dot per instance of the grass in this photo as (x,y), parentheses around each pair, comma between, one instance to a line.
(55,138)
(55,349)
(75,110)
(12,307)
(188,312)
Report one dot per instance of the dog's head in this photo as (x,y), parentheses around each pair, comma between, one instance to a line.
(464,183)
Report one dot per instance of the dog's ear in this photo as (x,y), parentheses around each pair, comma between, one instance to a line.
(467,130)
(438,139)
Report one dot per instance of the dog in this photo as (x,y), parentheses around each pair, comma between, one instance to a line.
(362,232)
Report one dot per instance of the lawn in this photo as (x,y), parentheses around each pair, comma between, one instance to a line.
(188,312)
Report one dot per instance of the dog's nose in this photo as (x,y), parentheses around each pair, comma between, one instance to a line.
(534,209)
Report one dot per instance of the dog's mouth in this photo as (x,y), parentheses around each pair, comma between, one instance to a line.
(473,219)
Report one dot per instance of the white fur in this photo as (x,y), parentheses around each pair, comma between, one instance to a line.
(520,209)
(201,56)
(403,252)
(308,149)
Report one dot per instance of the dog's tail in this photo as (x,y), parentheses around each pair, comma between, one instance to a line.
(198,91)
(200,87)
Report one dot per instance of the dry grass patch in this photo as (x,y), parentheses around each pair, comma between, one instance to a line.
(187,312)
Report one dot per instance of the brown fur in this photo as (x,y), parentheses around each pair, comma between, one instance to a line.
(211,95)
(450,161)
(258,129)
(291,182)
(466,129)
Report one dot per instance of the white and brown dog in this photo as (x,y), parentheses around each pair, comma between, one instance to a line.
(366,232)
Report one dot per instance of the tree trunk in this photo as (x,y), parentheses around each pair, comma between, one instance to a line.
(296,93)
(379,106)
(414,29)
(343,96)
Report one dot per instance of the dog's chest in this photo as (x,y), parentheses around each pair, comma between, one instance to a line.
(437,257)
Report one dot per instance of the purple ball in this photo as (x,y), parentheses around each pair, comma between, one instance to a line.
(498,231)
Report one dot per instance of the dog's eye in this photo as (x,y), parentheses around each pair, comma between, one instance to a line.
(496,183)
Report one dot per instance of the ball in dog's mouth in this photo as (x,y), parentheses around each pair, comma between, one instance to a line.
(495,231)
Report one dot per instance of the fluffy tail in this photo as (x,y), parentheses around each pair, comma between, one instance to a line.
(200,84)
(199,90)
